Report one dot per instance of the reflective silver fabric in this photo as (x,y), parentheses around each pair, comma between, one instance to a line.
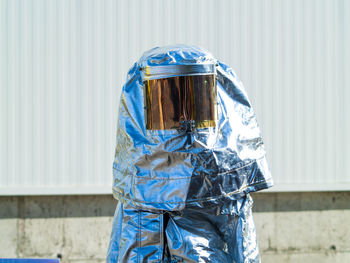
(194,180)
(191,235)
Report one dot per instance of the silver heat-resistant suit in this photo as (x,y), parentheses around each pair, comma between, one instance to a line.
(189,152)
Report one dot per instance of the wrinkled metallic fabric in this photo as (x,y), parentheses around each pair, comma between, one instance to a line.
(184,195)
(190,235)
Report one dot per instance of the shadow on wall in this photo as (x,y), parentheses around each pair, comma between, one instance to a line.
(104,205)
(57,206)
(301,201)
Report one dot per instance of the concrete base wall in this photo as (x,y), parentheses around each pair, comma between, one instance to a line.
(291,227)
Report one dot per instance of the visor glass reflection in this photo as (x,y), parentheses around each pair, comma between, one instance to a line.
(172,100)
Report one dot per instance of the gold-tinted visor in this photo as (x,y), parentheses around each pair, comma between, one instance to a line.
(173,100)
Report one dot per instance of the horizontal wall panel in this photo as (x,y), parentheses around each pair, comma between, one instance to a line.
(63,64)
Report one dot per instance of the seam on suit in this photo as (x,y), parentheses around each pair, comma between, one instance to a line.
(240,190)
(160,236)
(195,176)
(139,236)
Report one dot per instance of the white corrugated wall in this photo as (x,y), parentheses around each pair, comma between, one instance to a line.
(63,62)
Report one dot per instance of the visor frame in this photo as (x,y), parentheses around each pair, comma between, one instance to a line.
(196,110)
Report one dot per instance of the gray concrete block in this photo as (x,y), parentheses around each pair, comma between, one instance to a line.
(311,231)
(89,206)
(308,257)
(8,237)
(40,237)
(300,201)
(265,229)
(9,207)
(42,207)
(86,237)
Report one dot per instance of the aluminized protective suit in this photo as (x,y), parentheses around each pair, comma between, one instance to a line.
(189,151)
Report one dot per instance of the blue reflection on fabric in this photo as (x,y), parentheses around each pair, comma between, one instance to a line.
(196,205)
